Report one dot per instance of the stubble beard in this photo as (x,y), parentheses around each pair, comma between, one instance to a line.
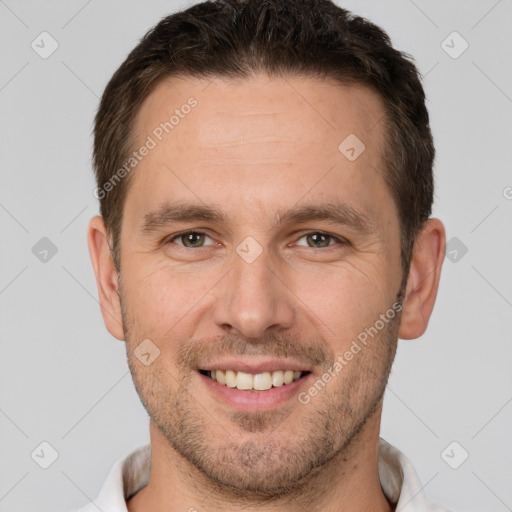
(273,463)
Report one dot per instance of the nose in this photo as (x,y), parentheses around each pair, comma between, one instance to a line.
(254,298)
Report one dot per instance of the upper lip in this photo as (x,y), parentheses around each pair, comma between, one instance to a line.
(256,365)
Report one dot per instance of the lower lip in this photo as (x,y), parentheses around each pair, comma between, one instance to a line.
(254,400)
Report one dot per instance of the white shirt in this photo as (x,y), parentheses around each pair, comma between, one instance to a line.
(398,480)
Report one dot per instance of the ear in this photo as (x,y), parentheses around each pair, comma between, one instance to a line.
(423,280)
(106,276)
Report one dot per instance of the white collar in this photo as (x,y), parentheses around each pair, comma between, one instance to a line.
(398,480)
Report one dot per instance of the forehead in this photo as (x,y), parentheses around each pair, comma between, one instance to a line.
(299,109)
(271,139)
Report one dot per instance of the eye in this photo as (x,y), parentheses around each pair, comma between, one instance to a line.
(319,239)
(197,239)
(190,239)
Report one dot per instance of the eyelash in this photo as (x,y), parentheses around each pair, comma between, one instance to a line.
(334,237)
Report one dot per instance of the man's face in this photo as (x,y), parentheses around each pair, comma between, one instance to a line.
(256,289)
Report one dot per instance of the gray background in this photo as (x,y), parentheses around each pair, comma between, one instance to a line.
(64,380)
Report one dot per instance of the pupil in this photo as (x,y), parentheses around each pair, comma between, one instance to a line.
(315,240)
(193,239)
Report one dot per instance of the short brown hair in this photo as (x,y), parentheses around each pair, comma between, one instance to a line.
(235,38)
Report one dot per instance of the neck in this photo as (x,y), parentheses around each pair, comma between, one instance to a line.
(347,483)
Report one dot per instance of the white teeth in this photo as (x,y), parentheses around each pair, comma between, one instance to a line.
(260,381)
(244,380)
(230,379)
(288,376)
(277,379)
(221,376)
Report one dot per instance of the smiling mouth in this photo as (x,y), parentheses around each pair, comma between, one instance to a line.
(253,381)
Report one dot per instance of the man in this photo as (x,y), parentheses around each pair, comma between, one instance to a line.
(264,172)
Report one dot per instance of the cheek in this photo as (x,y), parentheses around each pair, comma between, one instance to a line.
(345,302)
(160,297)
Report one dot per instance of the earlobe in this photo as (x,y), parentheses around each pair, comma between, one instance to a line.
(106,276)
(423,279)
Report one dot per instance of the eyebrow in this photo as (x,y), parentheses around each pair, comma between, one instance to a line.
(337,213)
